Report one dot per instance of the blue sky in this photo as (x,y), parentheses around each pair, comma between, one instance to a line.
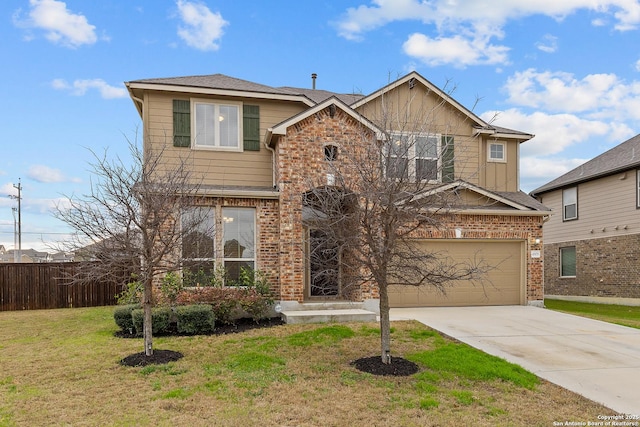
(567,71)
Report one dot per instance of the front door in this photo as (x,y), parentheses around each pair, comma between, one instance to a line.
(323,266)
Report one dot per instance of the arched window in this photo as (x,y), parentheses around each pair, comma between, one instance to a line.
(330,152)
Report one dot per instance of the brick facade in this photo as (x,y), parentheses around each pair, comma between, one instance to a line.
(605,267)
(301,166)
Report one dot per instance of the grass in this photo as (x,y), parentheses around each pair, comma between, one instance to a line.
(60,367)
(618,314)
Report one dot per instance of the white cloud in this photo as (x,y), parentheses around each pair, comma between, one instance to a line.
(554,133)
(80,87)
(598,96)
(548,44)
(447,14)
(537,167)
(61,26)
(45,174)
(462,26)
(201,29)
(456,51)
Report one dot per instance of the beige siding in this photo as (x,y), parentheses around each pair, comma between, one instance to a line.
(401,108)
(605,207)
(249,168)
(499,176)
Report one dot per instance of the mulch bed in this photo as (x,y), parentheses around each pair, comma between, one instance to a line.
(398,367)
(372,365)
(160,357)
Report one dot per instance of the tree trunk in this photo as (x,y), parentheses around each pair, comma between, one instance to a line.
(148,326)
(385,326)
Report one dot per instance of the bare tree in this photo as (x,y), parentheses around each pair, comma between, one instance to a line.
(133,216)
(383,191)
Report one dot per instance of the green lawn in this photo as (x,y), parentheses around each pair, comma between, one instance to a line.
(619,314)
(61,367)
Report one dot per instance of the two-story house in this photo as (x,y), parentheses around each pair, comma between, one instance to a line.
(592,242)
(260,149)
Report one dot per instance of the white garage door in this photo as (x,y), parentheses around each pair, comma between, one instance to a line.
(503,285)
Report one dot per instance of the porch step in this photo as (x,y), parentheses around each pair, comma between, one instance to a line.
(329,316)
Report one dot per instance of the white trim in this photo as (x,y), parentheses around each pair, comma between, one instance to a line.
(216,103)
(219,92)
(281,128)
(496,159)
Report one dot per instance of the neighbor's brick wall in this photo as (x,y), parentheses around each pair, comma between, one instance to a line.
(606,267)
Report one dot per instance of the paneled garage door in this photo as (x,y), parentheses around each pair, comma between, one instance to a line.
(503,284)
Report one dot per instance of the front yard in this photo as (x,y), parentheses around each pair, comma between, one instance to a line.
(61,367)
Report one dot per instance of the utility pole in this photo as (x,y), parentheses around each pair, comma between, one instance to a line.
(15,233)
(19,199)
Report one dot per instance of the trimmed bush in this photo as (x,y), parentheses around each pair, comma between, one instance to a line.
(160,320)
(122,316)
(195,319)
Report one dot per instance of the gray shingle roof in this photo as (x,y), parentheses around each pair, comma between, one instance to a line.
(216,81)
(318,95)
(221,81)
(523,199)
(620,158)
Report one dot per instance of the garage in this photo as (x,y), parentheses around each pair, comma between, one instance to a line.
(503,285)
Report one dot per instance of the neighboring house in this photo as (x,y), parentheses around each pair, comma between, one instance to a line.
(258,148)
(592,242)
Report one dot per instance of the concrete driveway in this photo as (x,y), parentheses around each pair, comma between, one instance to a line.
(598,360)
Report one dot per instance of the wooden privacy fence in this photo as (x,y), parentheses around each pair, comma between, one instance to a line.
(28,286)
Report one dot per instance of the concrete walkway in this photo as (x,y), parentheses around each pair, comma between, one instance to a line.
(598,360)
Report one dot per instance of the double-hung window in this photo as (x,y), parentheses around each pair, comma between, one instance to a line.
(570,203)
(239,241)
(216,125)
(413,157)
(198,242)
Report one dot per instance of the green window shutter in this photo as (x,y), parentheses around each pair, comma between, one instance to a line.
(448,172)
(181,123)
(251,127)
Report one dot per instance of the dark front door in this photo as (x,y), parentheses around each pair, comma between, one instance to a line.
(323,266)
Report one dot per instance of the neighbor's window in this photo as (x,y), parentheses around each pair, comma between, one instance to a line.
(216,125)
(638,188)
(198,242)
(568,261)
(497,152)
(570,203)
(238,240)
(414,157)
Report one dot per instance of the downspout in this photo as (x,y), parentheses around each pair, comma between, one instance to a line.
(267,139)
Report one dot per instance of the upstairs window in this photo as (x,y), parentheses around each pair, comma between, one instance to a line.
(414,157)
(497,152)
(216,126)
(330,152)
(570,204)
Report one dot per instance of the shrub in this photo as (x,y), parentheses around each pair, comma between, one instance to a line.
(122,316)
(195,319)
(171,286)
(160,320)
(131,294)
(255,304)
